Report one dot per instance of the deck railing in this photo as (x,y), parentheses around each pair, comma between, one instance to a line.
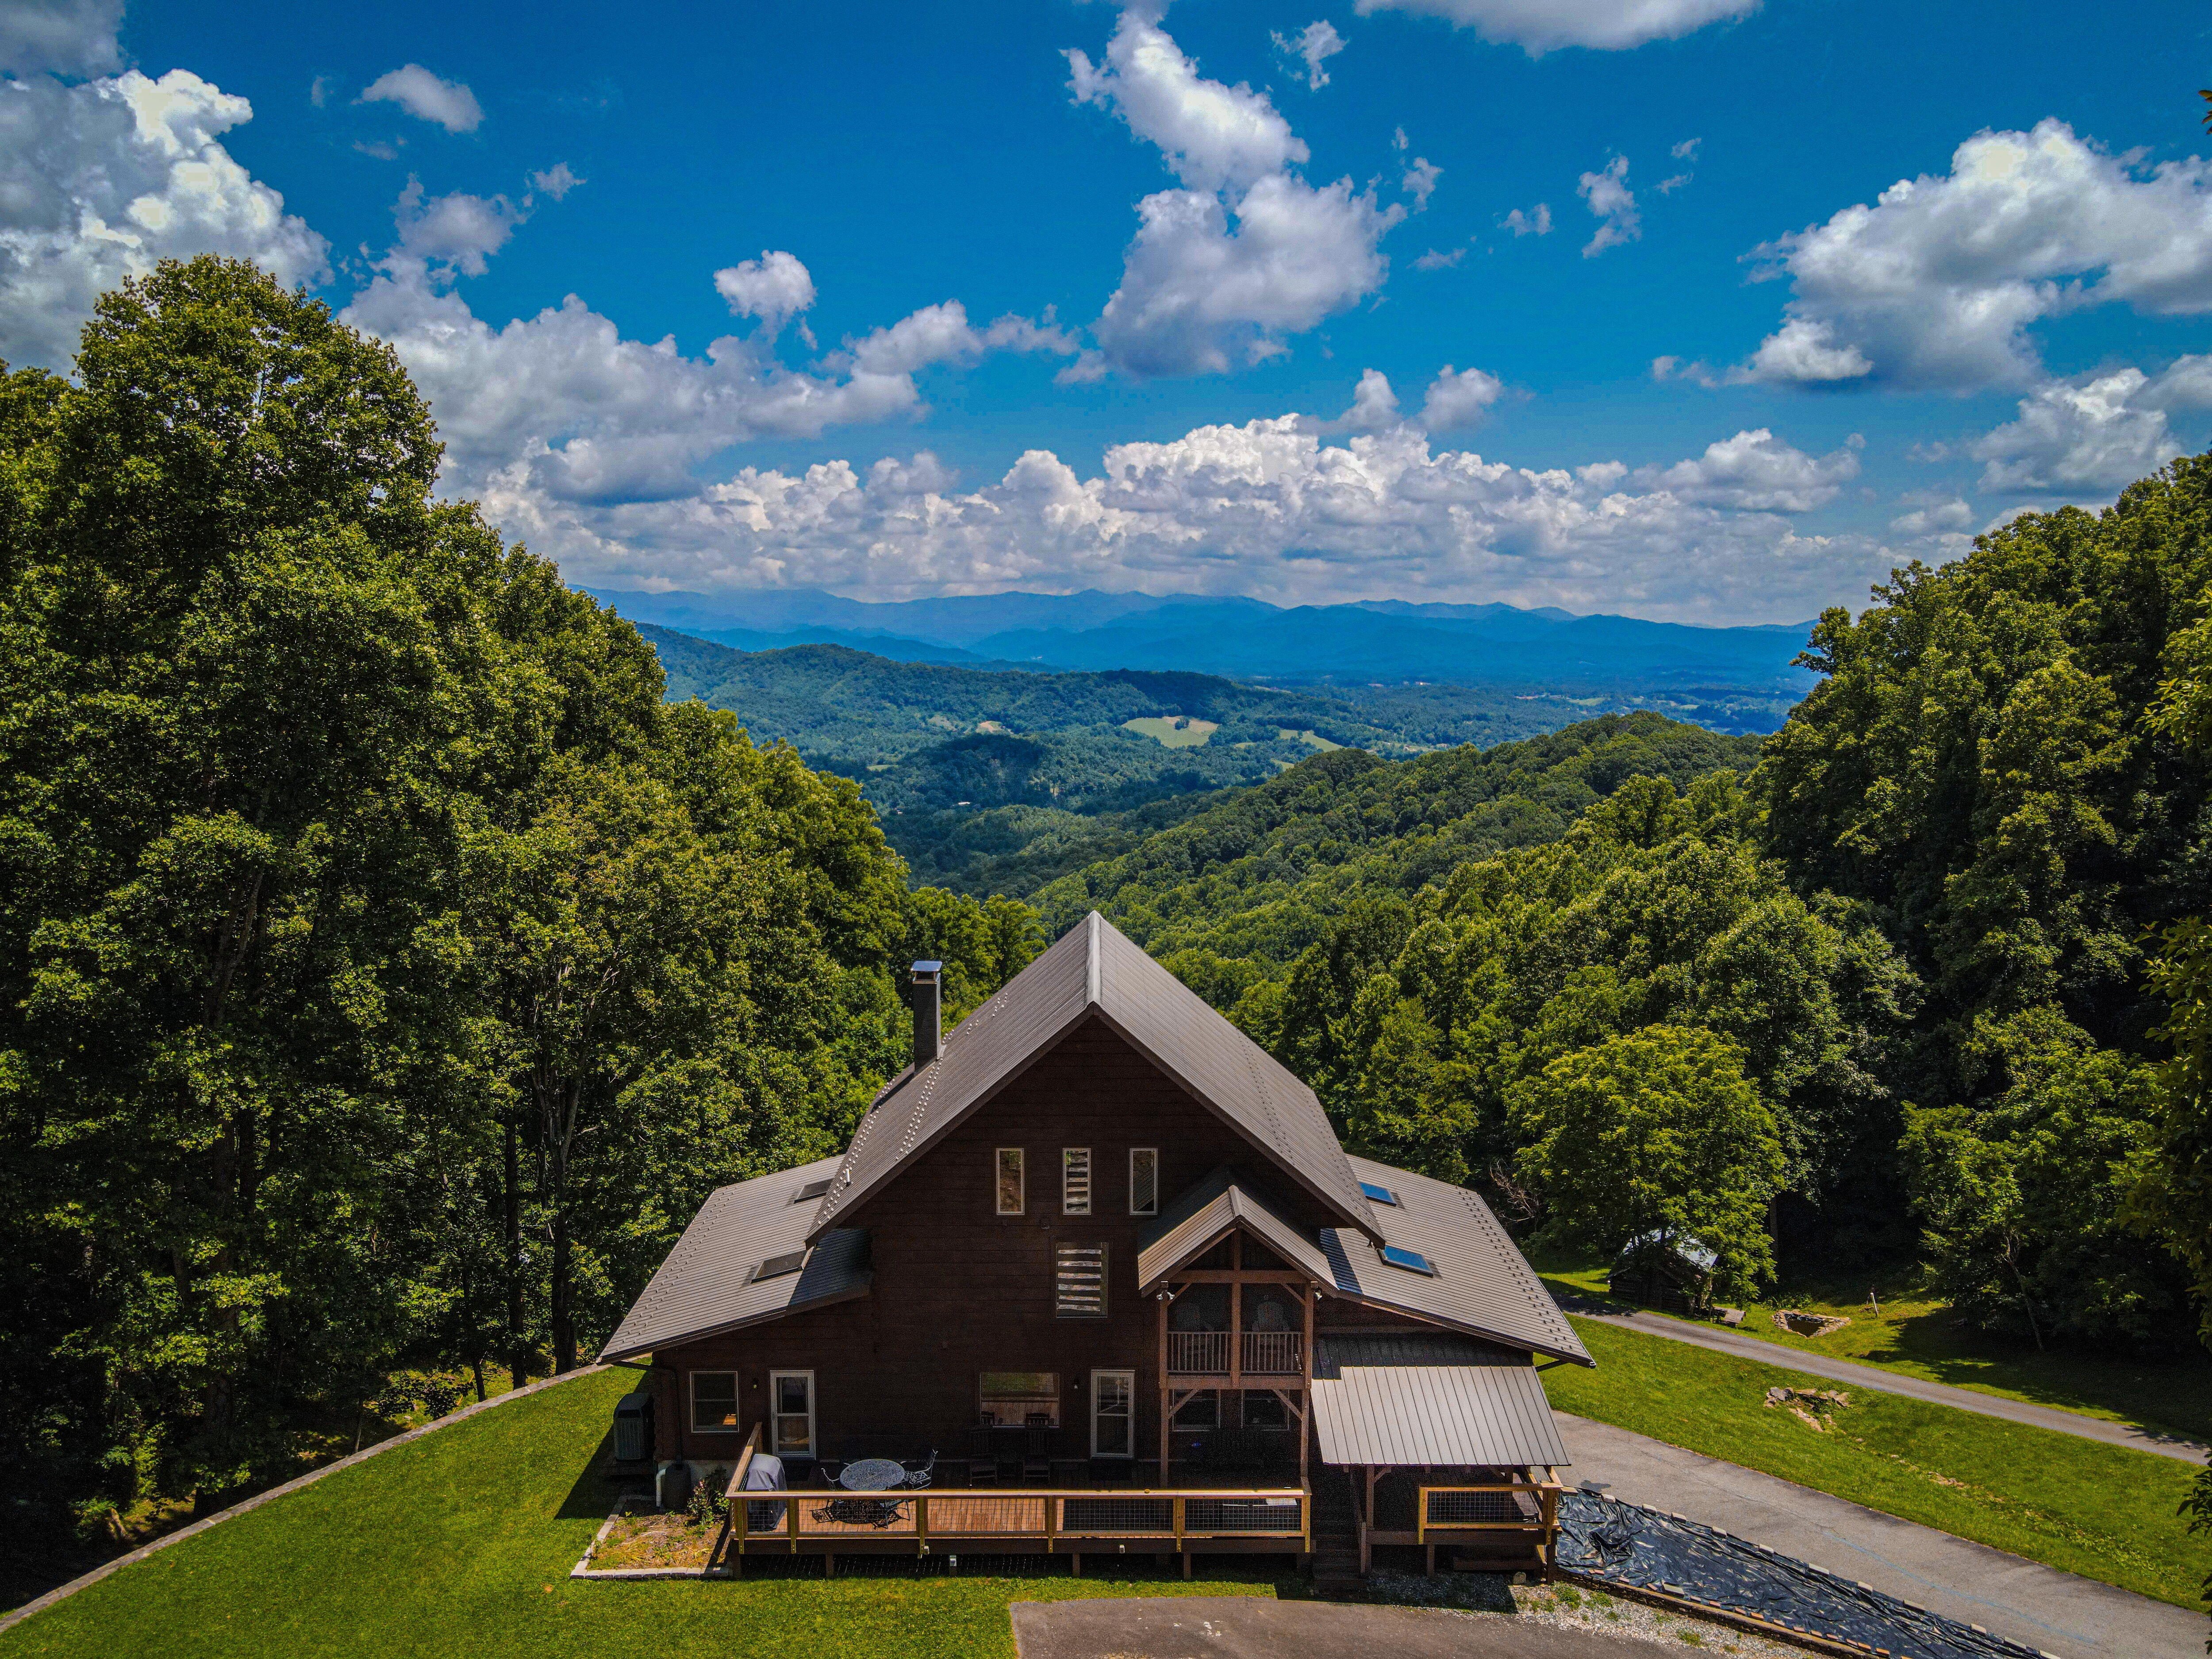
(1523,1506)
(1166,1519)
(1264,1353)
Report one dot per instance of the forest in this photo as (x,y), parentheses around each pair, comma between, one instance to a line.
(394,949)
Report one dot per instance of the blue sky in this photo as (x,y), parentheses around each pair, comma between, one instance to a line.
(681,282)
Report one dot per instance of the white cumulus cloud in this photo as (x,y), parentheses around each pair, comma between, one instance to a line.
(1420,181)
(1542,25)
(1754,472)
(100,180)
(1246,251)
(2092,433)
(1937,283)
(1610,199)
(1537,222)
(775,287)
(1459,398)
(60,37)
(448,104)
(1310,48)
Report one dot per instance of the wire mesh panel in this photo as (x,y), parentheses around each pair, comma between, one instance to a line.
(1448,1507)
(1117,1516)
(1243,1515)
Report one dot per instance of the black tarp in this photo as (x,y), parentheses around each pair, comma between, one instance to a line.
(1631,1546)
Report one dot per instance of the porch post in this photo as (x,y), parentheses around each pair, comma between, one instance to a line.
(1166,1478)
(1305,1427)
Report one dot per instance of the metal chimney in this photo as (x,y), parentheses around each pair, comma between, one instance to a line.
(926,998)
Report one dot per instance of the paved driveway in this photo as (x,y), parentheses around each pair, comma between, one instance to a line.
(1257,1627)
(2074,1618)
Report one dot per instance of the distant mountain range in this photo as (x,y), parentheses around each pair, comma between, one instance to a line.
(1387,641)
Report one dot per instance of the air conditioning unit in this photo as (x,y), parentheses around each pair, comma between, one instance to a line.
(634,1428)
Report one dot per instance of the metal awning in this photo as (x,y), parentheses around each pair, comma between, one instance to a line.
(1436,1417)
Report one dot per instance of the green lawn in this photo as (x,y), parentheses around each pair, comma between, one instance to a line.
(1916,1334)
(1175,731)
(2102,1512)
(461,1542)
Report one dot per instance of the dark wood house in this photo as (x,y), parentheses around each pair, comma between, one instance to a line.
(1095,1276)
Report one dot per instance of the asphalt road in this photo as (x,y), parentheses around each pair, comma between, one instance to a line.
(2058,1612)
(1259,1627)
(1720,1338)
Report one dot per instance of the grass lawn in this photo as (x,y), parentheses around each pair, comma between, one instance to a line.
(1916,1334)
(461,1542)
(2103,1511)
(1175,731)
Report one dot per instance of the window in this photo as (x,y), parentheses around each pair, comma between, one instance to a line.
(1113,1413)
(1202,1411)
(1379,1193)
(777,1266)
(1265,1411)
(1010,1181)
(1079,1281)
(714,1402)
(1412,1261)
(1144,1181)
(791,1394)
(811,1190)
(1010,1399)
(1075,1181)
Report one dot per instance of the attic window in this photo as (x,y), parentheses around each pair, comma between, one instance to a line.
(777,1266)
(1412,1261)
(812,1190)
(1379,1193)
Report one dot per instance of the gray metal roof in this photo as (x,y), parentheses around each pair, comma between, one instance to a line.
(1333,1351)
(707,1285)
(1095,968)
(1482,1284)
(1205,1212)
(1436,1416)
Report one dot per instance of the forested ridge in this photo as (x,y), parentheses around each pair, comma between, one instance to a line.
(392,953)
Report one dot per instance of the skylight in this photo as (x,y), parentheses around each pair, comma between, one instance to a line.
(777,1265)
(1411,1261)
(812,1190)
(1381,1194)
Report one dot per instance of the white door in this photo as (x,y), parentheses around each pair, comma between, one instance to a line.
(1113,1413)
(791,1395)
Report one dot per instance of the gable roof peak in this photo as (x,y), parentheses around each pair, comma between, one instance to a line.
(1095,969)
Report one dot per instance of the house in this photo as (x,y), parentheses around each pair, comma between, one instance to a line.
(1097,1268)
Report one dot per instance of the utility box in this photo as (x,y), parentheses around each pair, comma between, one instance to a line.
(671,1486)
(634,1428)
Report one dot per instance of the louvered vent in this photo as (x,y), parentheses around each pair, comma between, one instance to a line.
(1075,1180)
(1080,1282)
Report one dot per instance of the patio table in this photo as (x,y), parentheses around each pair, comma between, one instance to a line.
(872,1474)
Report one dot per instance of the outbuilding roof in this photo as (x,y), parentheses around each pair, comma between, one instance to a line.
(712,1280)
(1095,969)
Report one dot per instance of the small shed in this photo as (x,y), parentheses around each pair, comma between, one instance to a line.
(1669,1271)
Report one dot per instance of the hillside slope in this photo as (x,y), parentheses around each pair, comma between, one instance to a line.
(1256,875)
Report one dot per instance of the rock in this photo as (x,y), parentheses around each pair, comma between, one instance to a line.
(1801,1323)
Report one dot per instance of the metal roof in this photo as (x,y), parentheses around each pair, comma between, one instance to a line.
(1436,1417)
(1095,968)
(706,1285)
(1200,1216)
(1335,1350)
(1482,1284)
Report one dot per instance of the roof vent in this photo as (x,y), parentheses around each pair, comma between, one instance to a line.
(924,996)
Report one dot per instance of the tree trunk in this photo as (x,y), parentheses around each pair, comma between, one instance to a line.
(518,1358)
(564,1328)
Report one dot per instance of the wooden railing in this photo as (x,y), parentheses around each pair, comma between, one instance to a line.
(1162,1518)
(1531,1506)
(1270,1354)
(1264,1353)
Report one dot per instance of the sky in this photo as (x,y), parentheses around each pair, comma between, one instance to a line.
(1709,311)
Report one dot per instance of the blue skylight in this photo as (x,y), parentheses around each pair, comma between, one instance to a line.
(1411,1261)
(1381,1194)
